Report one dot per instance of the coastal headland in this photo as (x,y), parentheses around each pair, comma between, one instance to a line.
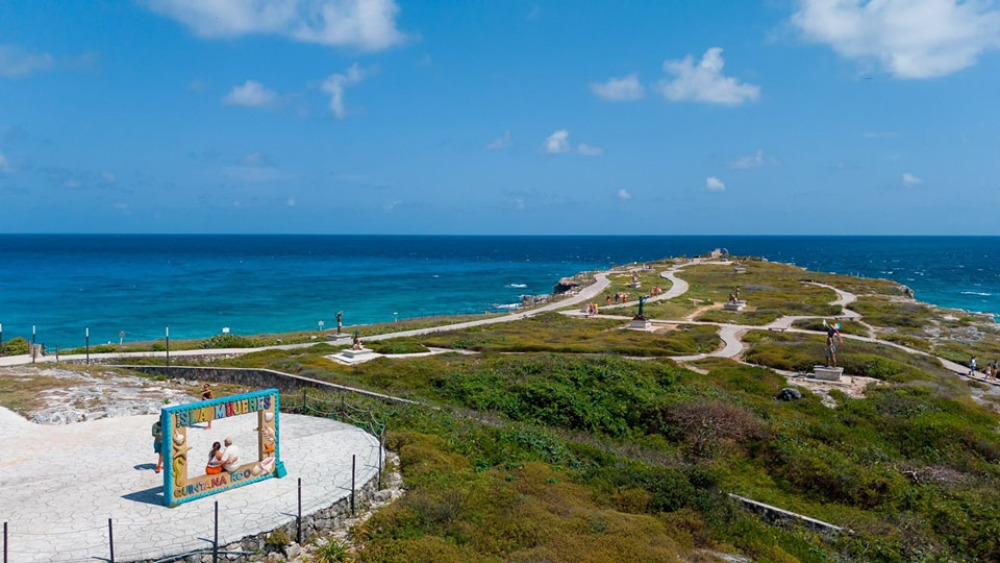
(568,431)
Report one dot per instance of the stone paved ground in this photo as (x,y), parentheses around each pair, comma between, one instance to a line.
(59,485)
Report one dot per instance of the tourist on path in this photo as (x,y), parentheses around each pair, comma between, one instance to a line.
(157,432)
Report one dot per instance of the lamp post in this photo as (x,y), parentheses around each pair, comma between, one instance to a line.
(86,333)
(168,346)
(32,335)
(1,339)
(121,341)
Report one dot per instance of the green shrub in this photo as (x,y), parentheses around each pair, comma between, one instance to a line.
(16,346)
(277,540)
(227,341)
(329,552)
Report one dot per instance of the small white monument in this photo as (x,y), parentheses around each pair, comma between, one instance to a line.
(827,373)
(735,305)
(641,321)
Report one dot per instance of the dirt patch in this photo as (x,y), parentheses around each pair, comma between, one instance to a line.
(61,395)
(697,312)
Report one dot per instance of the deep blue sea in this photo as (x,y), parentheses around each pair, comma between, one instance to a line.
(198,284)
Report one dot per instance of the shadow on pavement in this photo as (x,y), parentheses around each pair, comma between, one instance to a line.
(149,496)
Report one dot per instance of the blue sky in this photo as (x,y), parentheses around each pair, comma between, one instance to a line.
(575,117)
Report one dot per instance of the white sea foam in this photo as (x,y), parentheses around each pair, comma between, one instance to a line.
(980,293)
(507,306)
(517,285)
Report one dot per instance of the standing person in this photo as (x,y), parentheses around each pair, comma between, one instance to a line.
(972,366)
(157,432)
(340,321)
(231,456)
(207,395)
(832,336)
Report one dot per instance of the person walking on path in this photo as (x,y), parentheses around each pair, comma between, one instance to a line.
(972,366)
(157,432)
(207,395)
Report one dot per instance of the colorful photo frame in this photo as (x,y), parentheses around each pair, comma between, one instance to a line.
(178,485)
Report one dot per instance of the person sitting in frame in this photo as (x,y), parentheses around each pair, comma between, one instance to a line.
(231,455)
(214,465)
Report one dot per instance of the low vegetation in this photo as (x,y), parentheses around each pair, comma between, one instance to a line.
(552,332)
(566,439)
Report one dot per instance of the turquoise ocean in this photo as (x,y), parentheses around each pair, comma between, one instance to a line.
(198,284)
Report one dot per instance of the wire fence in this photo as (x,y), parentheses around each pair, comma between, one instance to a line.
(196,528)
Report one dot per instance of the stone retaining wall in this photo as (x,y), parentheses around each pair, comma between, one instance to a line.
(258,378)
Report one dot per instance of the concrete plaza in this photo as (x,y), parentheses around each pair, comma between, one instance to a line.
(59,485)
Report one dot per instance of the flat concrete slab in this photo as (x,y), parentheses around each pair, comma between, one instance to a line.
(59,485)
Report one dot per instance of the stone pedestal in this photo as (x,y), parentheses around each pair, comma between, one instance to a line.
(352,354)
(735,305)
(640,323)
(827,373)
(635,285)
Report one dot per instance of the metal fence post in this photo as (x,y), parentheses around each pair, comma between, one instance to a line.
(111,540)
(298,522)
(381,444)
(4,542)
(215,540)
(354,461)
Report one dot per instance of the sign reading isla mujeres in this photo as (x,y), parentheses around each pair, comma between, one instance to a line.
(184,481)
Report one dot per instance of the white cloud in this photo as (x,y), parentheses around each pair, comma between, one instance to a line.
(624,194)
(123,208)
(252,94)
(5,164)
(500,142)
(754,160)
(335,85)
(519,203)
(254,167)
(196,85)
(255,158)
(534,13)
(558,142)
(108,177)
(909,38)
(911,180)
(623,89)
(392,205)
(290,202)
(714,184)
(705,82)
(71,182)
(16,62)
(363,24)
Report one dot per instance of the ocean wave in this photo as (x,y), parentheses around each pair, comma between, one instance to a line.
(507,306)
(980,293)
(517,285)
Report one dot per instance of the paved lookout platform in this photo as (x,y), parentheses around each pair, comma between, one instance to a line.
(59,485)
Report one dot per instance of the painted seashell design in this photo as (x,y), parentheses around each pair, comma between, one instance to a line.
(256,470)
(269,416)
(179,438)
(267,465)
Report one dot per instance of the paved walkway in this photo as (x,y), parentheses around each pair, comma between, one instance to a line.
(585,294)
(59,485)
